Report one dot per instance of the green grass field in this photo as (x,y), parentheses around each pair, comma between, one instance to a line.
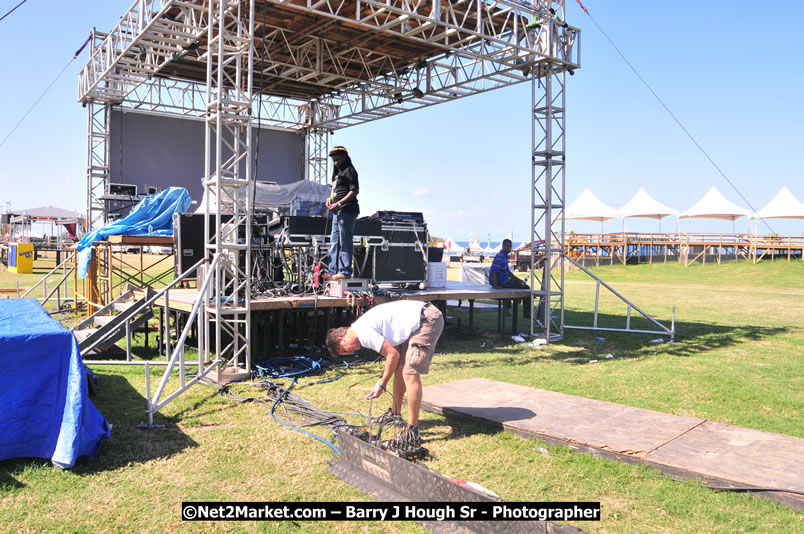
(737,359)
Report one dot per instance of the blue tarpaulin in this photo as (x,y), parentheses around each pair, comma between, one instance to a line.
(43,389)
(152,216)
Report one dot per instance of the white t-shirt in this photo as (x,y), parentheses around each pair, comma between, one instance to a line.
(394,321)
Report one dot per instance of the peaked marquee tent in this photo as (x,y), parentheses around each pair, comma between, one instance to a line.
(713,205)
(645,206)
(451,247)
(783,206)
(587,207)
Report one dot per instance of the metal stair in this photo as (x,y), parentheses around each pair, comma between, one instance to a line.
(116,320)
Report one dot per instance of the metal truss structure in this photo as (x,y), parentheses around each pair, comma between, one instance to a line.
(317,151)
(98,170)
(547,196)
(315,66)
(228,180)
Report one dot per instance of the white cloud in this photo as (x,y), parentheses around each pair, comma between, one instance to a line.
(420,192)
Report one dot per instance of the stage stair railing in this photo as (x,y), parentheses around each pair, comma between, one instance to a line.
(661,329)
(176,359)
(57,289)
(155,402)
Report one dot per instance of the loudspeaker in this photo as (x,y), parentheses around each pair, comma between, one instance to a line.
(188,238)
(399,264)
(435,254)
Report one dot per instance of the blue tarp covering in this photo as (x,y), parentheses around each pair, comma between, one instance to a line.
(43,389)
(152,216)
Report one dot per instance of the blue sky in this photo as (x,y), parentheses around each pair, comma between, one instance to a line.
(732,72)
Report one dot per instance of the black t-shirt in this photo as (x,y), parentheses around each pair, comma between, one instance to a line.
(345,181)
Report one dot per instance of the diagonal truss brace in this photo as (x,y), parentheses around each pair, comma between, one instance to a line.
(661,329)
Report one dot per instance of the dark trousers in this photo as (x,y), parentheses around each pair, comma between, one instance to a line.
(342,247)
(515,283)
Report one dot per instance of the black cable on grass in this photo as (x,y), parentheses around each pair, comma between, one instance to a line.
(298,411)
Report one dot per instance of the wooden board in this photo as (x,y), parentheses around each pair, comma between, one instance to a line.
(588,422)
(719,454)
(141,240)
(741,455)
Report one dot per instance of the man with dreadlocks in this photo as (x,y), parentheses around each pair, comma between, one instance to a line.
(343,205)
(405,332)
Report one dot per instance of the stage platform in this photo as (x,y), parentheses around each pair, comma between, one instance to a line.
(280,320)
(719,454)
(183,299)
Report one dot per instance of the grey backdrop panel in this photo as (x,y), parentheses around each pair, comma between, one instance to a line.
(164,151)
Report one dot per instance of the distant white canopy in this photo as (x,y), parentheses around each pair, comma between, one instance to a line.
(452,247)
(587,207)
(49,213)
(644,205)
(783,206)
(713,205)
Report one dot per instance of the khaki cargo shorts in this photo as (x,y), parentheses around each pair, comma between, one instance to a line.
(418,350)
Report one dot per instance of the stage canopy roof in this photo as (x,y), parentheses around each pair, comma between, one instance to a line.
(644,205)
(713,205)
(587,207)
(49,213)
(783,206)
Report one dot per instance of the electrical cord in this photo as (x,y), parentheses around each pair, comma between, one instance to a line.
(284,393)
(13,9)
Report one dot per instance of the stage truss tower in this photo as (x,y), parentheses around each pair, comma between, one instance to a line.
(313,68)
(547,197)
(230,77)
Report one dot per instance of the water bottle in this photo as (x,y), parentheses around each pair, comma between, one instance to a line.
(150,229)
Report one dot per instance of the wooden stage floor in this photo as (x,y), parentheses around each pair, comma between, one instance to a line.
(183,299)
(719,454)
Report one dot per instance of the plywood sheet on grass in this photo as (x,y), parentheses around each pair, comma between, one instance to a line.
(593,423)
(741,455)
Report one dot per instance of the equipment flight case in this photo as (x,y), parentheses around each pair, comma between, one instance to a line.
(402,256)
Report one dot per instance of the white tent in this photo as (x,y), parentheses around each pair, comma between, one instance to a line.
(587,207)
(643,205)
(783,206)
(713,205)
(451,247)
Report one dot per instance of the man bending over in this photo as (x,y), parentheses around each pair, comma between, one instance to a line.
(405,332)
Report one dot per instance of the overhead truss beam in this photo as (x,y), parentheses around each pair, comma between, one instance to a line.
(359,59)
